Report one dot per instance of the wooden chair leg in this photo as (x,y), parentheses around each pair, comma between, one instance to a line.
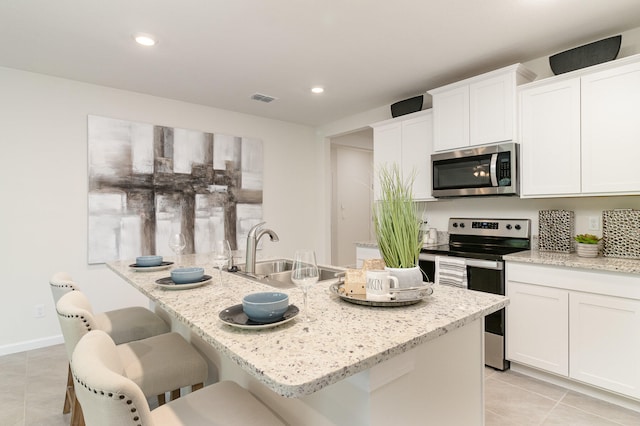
(161,399)
(77,418)
(68,394)
(175,394)
(197,386)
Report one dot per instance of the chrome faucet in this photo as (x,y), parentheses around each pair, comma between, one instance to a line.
(254,236)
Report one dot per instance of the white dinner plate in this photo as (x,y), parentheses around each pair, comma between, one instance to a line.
(235,317)
(168,284)
(160,267)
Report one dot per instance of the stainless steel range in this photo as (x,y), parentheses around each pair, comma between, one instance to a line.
(482,243)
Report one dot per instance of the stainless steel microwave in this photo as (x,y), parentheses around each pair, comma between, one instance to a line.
(481,170)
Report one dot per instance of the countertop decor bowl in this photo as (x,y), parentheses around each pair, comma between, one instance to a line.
(265,307)
(187,275)
(148,260)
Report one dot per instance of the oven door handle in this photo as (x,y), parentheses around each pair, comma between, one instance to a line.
(474,263)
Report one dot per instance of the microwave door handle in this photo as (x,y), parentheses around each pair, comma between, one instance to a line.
(493,170)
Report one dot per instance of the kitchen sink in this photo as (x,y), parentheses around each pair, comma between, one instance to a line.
(277,273)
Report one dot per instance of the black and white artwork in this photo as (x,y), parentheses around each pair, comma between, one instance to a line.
(147,181)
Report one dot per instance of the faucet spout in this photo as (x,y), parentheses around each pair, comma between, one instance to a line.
(255,233)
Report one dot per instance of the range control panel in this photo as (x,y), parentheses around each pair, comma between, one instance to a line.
(517,228)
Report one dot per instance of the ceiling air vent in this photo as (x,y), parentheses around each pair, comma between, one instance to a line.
(262,98)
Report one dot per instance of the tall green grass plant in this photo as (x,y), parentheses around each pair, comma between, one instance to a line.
(396,219)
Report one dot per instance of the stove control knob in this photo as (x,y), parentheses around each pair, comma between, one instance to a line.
(518,227)
(461,225)
(455,224)
(509,227)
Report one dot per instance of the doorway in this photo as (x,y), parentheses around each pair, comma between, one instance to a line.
(352,195)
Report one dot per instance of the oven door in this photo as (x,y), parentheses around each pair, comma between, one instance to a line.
(486,276)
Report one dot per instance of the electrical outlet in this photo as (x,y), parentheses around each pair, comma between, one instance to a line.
(594,223)
(38,311)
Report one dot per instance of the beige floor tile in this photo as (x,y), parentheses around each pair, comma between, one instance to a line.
(528,383)
(515,404)
(12,416)
(564,415)
(601,408)
(493,419)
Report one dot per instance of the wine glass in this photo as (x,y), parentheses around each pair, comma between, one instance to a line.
(221,255)
(177,243)
(304,274)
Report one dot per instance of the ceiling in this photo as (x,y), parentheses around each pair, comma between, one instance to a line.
(366,54)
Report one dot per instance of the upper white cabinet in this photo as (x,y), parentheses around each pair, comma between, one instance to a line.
(479,110)
(550,139)
(406,141)
(579,132)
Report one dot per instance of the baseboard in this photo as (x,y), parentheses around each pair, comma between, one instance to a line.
(613,398)
(31,344)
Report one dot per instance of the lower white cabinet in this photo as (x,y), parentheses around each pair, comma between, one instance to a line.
(537,327)
(605,342)
(581,324)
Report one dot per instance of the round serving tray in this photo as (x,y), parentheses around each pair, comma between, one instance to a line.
(417,295)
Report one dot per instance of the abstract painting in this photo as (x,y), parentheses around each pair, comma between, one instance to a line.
(147,181)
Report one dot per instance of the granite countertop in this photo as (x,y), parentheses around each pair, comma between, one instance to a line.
(296,358)
(572,260)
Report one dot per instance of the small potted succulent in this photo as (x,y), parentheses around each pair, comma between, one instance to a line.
(587,245)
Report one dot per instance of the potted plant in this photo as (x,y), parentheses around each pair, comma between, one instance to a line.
(587,245)
(397,226)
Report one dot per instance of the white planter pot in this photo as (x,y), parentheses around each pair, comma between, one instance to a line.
(587,250)
(407,277)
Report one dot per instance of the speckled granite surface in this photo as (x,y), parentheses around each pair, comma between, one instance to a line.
(297,359)
(572,260)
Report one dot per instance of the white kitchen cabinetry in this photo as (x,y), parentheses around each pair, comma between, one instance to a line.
(479,110)
(550,138)
(605,347)
(366,252)
(537,328)
(406,141)
(578,132)
(578,323)
(610,130)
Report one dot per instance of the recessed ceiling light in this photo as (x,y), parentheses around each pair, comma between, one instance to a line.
(317,89)
(145,39)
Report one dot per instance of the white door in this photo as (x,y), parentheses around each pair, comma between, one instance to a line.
(605,342)
(417,147)
(387,150)
(491,110)
(610,130)
(538,326)
(451,119)
(550,139)
(353,201)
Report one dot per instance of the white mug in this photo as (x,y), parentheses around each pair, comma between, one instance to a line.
(379,285)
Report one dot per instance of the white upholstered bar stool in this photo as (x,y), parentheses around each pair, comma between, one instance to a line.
(109,398)
(158,364)
(123,325)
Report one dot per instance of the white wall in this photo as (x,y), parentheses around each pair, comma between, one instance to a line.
(43,182)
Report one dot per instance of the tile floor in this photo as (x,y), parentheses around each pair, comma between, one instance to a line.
(32,393)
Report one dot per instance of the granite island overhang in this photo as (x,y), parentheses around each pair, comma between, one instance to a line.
(296,360)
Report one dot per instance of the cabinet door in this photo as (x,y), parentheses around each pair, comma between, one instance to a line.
(538,326)
(550,139)
(417,146)
(491,110)
(610,130)
(451,119)
(605,342)
(387,149)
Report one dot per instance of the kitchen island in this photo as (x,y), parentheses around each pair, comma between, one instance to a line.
(357,365)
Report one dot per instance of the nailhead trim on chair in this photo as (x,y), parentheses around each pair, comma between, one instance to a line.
(84,320)
(112,395)
(71,286)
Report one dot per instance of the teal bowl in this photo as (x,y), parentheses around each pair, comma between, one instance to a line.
(265,307)
(148,260)
(187,275)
